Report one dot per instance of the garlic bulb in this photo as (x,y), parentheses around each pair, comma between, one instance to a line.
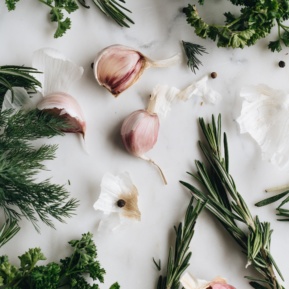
(66,106)
(117,67)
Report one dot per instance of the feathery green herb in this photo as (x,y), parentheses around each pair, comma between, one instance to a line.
(282,213)
(179,257)
(191,51)
(70,272)
(227,205)
(20,162)
(12,75)
(58,8)
(256,20)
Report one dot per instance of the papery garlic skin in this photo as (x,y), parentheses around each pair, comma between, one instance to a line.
(118,67)
(66,106)
(264,116)
(139,132)
(59,73)
(114,188)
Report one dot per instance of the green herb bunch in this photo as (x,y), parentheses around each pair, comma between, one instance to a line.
(179,257)
(256,19)
(219,192)
(70,272)
(111,8)
(20,195)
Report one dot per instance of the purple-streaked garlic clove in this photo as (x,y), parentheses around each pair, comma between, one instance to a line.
(67,107)
(117,67)
(139,132)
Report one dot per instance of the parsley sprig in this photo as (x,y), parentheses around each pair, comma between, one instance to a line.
(58,8)
(70,272)
(256,19)
(179,257)
(223,200)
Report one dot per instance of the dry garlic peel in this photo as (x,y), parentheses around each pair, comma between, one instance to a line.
(264,116)
(117,67)
(66,106)
(59,73)
(118,195)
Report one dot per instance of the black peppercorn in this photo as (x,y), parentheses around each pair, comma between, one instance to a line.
(214,74)
(121,203)
(281,64)
(92,65)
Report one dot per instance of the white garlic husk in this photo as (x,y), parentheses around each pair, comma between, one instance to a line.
(117,67)
(118,200)
(264,115)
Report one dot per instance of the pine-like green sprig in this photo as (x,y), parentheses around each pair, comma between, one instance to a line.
(227,205)
(20,194)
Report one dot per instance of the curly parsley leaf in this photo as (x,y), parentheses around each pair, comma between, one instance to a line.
(255,21)
(70,272)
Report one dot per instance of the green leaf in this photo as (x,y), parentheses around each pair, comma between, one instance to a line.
(11,4)
(29,259)
(114,286)
(285,38)
(275,46)
(271,199)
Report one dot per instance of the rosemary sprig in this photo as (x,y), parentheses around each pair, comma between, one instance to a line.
(113,9)
(227,205)
(8,230)
(191,51)
(13,75)
(179,257)
(281,211)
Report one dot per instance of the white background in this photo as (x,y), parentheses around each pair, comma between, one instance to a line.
(159,28)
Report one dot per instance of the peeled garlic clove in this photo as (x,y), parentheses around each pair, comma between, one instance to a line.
(66,106)
(118,67)
(139,132)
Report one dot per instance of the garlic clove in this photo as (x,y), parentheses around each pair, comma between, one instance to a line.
(139,132)
(117,67)
(66,106)
(188,281)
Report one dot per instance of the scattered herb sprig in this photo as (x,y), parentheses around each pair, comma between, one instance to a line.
(70,272)
(179,257)
(21,196)
(227,205)
(111,8)
(255,21)
(282,213)
(21,76)
(191,51)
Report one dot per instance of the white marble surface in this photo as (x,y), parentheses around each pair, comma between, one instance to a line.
(160,26)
